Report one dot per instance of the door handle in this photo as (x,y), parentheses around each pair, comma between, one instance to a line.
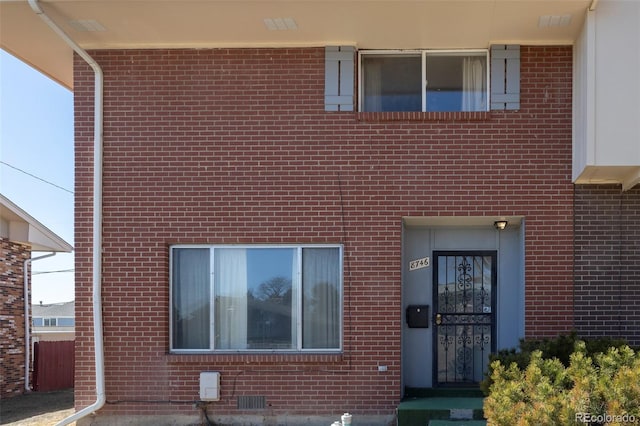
(438,319)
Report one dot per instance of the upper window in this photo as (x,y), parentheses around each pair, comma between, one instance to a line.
(452,81)
(256,298)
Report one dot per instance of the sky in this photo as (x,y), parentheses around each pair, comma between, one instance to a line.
(36,165)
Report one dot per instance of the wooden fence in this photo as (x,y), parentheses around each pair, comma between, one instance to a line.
(53,365)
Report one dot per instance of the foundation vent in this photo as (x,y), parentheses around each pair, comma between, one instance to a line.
(251,402)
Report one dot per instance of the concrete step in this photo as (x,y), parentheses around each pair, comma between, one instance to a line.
(473,392)
(420,411)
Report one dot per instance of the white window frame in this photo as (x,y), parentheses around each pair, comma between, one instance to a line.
(423,53)
(299,327)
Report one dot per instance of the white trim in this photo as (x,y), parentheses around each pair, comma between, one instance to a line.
(48,331)
(51,316)
(170,300)
(423,93)
(212,295)
(299,300)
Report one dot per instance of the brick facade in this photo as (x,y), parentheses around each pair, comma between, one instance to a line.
(234,146)
(607,262)
(12,333)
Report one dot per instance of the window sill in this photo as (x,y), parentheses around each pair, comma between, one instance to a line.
(423,116)
(257,358)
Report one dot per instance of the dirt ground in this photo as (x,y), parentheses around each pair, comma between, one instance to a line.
(37,408)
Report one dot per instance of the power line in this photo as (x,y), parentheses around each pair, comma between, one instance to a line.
(35,177)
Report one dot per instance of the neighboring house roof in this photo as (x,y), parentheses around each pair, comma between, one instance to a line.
(17,225)
(54,310)
(374,24)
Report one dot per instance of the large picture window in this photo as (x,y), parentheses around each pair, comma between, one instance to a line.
(244,298)
(424,81)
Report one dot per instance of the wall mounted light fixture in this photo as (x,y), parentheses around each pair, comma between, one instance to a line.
(500,224)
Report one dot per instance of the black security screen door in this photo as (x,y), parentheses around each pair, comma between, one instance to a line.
(464,298)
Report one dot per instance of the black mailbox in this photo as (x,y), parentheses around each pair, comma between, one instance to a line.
(418,316)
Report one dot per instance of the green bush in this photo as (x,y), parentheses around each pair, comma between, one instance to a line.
(561,348)
(604,389)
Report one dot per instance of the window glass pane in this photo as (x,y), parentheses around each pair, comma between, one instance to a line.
(191,296)
(392,82)
(321,298)
(65,322)
(254,301)
(456,82)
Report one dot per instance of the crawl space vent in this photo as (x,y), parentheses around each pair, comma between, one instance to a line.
(251,402)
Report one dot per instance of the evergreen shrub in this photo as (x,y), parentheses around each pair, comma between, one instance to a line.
(560,347)
(603,389)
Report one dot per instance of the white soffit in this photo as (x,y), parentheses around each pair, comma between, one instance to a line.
(368,24)
(17,225)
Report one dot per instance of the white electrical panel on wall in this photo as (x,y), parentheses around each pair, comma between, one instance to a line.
(209,386)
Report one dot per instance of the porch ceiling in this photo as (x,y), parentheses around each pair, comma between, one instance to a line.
(460,221)
(380,24)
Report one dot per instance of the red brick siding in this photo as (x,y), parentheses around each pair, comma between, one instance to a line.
(234,146)
(12,333)
(607,262)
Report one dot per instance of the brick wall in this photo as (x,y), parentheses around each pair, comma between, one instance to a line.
(234,146)
(607,262)
(12,335)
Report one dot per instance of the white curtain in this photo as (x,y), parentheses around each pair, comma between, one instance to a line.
(191,298)
(295,291)
(321,298)
(474,84)
(373,85)
(231,298)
